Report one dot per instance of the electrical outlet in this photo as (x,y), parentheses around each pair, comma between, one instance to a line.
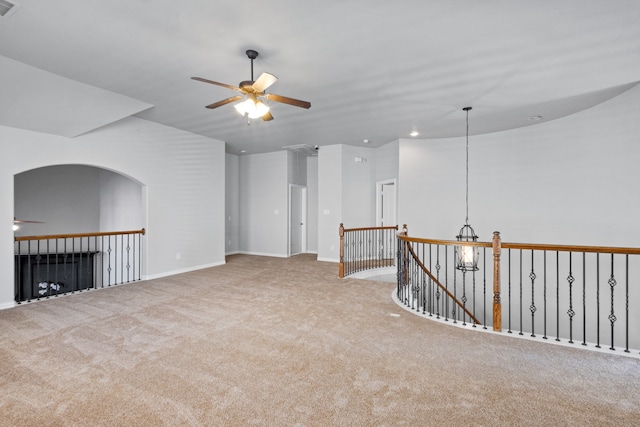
(178,255)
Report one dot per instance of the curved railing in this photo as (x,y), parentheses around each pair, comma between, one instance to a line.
(366,248)
(585,294)
(52,265)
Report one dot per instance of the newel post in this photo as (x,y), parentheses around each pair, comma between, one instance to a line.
(405,255)
(341,265)
(497,308)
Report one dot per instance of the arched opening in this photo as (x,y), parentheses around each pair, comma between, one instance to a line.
(60,211)
(77,199)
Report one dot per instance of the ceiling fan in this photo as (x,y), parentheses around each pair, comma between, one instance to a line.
(17,222)
(253,91)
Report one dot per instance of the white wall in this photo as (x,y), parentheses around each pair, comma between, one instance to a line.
(574,180)
(312,204)
(387,161)
(329,202)
(232,204)
(346,194)
(183,173)
(359,190)
(122,204)
(264,195)
(65,198)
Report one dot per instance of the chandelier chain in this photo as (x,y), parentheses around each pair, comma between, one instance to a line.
(467,168)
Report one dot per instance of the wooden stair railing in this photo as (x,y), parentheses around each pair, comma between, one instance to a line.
(441,286)
(376,248)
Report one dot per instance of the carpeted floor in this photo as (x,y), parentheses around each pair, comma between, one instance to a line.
(284,342)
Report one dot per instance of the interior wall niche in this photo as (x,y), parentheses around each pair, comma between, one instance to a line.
(76,199)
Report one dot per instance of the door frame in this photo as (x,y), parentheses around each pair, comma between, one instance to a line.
(379,185)
(303,218)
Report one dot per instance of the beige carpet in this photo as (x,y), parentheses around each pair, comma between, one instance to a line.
(284,342)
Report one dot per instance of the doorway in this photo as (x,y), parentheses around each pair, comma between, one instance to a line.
(386,203)
(297,219)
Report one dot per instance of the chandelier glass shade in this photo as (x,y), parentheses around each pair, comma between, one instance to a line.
(252,108)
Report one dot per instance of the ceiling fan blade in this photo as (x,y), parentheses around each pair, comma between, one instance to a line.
(267,117)
(224,102)
(264,81)
(285,100)
(200,79)
(24,221)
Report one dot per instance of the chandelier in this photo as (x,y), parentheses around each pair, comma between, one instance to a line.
(466,256)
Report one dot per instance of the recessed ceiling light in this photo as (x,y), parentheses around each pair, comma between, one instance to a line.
(243,151)
(366,141)
(414,133)
(535,118)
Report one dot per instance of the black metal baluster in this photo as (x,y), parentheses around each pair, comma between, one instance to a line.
(128,258)
(484,288)
(464,296)
(81,270)
(48,285)
(612,316)
(121,258)
(626,287)
(38,277)
(570,312)
(557,296)
(454,305)
(57,267)
(598,300)
(424,285)
(533,308)
(438,277)
(509,286)
(584,298)
(109,268)
(101,261)
(140,256)
(18,279)
(133,257)
(423,297)
(445,304)
(520,296)
(544,296)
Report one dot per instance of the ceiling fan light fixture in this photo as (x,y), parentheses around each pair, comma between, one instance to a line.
(254,109)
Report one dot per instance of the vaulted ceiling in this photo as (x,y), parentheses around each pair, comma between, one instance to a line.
(372,70)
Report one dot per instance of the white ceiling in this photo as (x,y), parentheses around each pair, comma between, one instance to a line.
(373,70)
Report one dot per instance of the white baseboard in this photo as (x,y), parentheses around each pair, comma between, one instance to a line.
(328,259)
(183,270)
(264,254)
(7,305)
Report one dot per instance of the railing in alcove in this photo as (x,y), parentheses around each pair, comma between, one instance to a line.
(51,265)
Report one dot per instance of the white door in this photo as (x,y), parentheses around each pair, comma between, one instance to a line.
(297,219)
(386,204)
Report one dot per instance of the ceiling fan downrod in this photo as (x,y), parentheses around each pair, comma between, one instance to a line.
(252,54)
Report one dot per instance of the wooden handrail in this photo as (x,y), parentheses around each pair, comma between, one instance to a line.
(388,227)
(442,242)
(70,236)
(531,246)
